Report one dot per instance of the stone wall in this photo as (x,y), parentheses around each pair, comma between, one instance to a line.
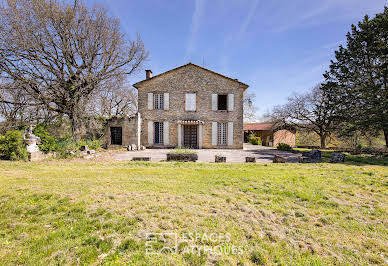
(284,136)
(129,127)
(189,79)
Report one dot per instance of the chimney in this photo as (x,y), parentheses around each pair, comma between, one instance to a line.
(148,74)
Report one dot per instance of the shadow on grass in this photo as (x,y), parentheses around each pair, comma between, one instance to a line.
(359,160)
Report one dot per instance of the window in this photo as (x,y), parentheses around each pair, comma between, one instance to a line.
(222,101)
(158,101)
(191,102)
(221,133)
(158,130)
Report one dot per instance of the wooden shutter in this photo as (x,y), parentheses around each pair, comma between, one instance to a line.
(150,101)
(214,133)
(179,136)
(230,133)
(230,102)
(214,102)
(166,136)
(191,102)
(150,132)
(166,101)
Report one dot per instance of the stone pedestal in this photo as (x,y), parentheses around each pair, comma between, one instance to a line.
(36,156)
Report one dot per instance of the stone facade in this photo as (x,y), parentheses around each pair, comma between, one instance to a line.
(130,127)
(174,85)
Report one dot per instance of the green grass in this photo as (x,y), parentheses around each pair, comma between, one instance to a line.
(75,212)
(354,159)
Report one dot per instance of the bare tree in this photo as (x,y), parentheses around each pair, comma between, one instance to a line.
(116,100)
(60,53)
(18,109)
(311,111)
(250,111)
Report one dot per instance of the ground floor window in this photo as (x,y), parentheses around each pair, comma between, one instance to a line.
(158,129)
(221,133)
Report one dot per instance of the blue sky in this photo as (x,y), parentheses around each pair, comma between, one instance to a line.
(277,47)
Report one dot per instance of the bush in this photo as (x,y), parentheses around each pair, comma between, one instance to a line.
(92,144)
(48,143)
(68,144)
(255,140)
(12,146)
(284,147)
(180,150)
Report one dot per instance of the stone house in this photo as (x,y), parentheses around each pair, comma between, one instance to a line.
(271,134)
(123,131)
(188,106)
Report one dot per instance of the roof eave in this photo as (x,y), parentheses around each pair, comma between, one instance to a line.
(136,85)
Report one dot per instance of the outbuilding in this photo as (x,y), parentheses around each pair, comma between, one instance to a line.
(271,134)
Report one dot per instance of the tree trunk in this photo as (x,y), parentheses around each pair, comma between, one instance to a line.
(76,127)
(323,141)
(386,136)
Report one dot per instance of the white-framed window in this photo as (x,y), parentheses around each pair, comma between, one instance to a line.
(191,102)
(221,133)
(158,101)
(158,132)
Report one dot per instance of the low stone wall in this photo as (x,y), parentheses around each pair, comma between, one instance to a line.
(182,157)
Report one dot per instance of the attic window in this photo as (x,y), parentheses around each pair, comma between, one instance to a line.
(222,101)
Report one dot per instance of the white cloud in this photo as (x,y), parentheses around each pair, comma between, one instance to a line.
(194,27)
(248,18)
(303,14)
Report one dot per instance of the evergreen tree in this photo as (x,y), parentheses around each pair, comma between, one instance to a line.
(358,76)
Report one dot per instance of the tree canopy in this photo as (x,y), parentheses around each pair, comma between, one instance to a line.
(358,76)
(60,54)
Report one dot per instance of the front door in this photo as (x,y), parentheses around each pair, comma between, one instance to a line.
(190,139)
(116,135)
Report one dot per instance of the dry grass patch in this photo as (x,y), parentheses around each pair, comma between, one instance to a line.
(95,212)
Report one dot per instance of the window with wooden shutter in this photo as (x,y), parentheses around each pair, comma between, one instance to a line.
(221,134)
(191,102)
(158,132)
(158,101)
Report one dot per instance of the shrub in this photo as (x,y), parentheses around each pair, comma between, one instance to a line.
(255,140)
(92,144)
(48,143)
(180,150)
(67,144)
(12,146)
(284,147)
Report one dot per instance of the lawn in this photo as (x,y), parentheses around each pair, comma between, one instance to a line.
(354,159)
(82,212)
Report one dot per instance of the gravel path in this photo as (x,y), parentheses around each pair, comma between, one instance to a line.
(262,154)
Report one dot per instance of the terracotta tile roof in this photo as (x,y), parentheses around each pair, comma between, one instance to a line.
(259,126)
